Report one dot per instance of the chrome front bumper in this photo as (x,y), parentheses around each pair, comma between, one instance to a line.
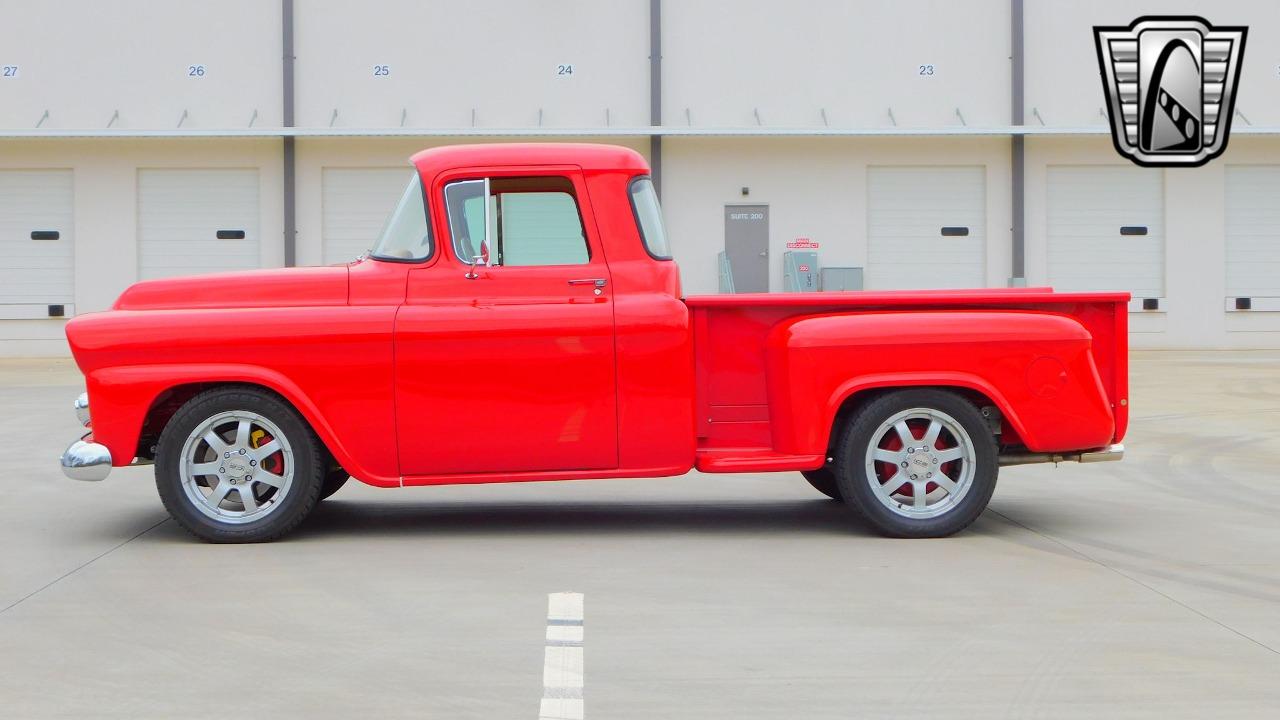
(86,461)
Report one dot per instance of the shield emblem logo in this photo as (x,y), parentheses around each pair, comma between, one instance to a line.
(1170,84)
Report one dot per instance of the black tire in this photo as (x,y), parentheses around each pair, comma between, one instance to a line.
(824,481)
(333,482)
(854,448)
(307,456)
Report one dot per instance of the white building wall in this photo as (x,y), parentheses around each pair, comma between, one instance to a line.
(106,210)
(815,188)
(752,66)
(84,61)
(857,61)
(1062,81)
(551,63)
(1192,314)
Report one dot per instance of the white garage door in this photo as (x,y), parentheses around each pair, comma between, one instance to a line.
(356,203)
(36,238)
(1106,229)
(1253,231)
(197,221)
(926,227)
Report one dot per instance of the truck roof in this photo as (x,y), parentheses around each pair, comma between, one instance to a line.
(587,156)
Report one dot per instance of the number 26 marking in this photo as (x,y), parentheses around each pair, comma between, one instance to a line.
(195,71)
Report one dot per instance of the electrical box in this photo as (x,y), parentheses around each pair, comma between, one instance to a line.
(800,271)
(841,278)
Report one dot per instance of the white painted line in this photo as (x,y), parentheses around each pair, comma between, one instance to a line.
(562,668)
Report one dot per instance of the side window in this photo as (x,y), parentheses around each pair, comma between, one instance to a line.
(525,222)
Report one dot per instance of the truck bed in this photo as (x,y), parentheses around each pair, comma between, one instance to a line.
(735,428)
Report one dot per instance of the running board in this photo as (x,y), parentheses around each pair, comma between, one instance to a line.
(1106,454)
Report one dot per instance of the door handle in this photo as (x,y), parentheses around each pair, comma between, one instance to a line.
(598,282)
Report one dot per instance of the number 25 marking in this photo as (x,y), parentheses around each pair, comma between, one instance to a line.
(381,70)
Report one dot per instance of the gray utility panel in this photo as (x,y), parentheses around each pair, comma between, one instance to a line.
(746,245)
(835,279)
(800,271)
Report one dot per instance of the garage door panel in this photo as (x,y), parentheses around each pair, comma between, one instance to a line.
(180,212)
(355,205)
(36,272)
(1253,230)
(1087,206)
(907,207)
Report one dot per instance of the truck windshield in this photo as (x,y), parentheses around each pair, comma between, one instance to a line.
(406,237)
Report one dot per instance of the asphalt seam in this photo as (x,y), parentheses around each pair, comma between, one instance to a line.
(80,567)
(1136,581)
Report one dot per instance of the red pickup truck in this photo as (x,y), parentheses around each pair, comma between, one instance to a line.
(520,318)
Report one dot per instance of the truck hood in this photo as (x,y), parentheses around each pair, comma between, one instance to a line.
(293,287)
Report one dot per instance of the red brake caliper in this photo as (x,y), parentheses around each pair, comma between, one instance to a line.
(273,464)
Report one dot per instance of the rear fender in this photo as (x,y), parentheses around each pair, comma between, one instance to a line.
(1036,368)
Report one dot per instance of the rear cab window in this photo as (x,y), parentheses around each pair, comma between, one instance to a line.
(648,215)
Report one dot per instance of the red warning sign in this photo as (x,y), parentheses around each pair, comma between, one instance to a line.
(804,268)
(802,244)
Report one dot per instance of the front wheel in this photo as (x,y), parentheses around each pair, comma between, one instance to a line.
(918,463)
(237,465)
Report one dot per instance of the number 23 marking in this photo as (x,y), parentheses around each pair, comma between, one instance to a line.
(926,69)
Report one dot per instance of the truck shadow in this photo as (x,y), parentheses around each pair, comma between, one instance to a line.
(339,518)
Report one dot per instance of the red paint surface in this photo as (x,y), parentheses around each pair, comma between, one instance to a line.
(412,373)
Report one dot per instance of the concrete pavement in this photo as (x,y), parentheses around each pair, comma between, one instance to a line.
(1143,589)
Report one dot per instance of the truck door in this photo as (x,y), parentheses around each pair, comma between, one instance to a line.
(507,364)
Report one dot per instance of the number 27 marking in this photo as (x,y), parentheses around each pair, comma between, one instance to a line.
(11,71)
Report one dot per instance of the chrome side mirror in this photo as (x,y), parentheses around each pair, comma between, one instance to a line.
(471,268)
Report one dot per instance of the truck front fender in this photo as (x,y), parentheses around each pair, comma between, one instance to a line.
(122,397)
(1036,367)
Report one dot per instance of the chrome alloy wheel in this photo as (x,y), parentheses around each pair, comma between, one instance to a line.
(236,467)
(920,463)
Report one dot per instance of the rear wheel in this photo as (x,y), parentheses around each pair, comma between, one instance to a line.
(918,463)
(824,481)
(238,465)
